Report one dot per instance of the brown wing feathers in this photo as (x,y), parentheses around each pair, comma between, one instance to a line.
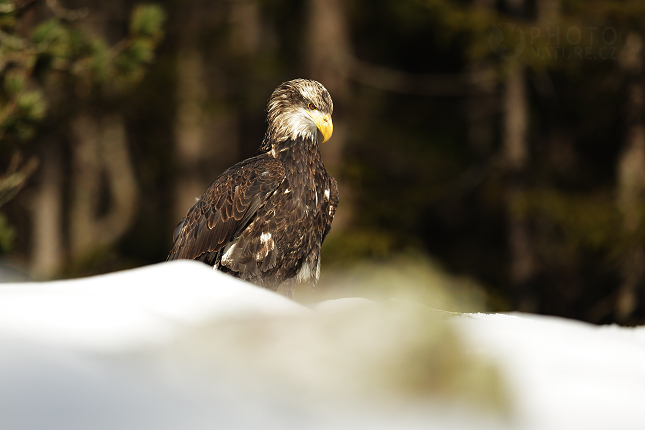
(226,207)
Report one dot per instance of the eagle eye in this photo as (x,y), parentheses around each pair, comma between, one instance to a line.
(311,106)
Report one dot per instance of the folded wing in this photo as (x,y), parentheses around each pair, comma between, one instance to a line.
(226,209)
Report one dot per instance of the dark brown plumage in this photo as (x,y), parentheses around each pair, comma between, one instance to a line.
(265,219)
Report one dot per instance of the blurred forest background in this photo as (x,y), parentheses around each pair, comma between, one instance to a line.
(505,139)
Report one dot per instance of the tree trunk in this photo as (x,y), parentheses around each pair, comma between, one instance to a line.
(189,127)
(631,178)
(100,152)
(47,249)
(328,45)
(515,148)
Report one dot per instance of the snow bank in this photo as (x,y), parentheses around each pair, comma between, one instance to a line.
(565,374)
(177,345)
(130,309)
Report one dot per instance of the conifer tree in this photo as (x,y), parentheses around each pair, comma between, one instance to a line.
(56,48)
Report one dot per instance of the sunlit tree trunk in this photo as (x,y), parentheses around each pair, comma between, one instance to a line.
(100,161)
(328,49)
(515,147)
(189,126)
(631,178)
(516,154)
(47,248)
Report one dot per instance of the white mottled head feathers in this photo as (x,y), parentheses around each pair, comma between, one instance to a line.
(288,111)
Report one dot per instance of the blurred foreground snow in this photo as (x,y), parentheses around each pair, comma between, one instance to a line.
(178,346)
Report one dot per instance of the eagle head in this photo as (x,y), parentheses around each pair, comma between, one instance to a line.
(299,108)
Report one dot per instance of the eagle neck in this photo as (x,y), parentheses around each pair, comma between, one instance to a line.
(299,155)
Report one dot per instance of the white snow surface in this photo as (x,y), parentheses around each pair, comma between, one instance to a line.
(92,353)
(125,310)
(565,374)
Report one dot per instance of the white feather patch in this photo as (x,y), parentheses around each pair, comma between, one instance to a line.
(296,123)
(267,246)
(228,250)
(304,274)
(318,270)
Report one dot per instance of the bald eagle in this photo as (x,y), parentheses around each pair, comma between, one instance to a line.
(264,219)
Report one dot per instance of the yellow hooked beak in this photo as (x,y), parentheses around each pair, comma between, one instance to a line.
(323,122)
